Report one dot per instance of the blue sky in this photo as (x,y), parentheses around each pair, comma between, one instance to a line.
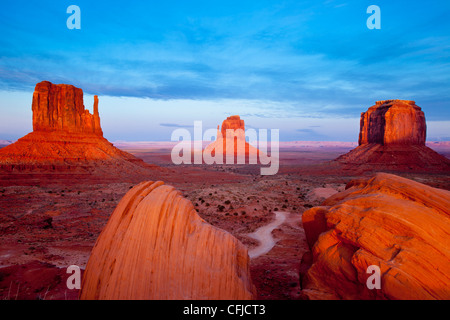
(308,68)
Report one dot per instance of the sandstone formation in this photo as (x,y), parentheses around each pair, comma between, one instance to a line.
(232,123)
(397,224)
(234,141)
(393,122)
(392,137)
(60,108)
(65,137)
(155,246)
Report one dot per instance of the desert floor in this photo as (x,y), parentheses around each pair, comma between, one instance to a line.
(49,222)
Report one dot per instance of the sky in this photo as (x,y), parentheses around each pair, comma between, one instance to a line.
(307,68)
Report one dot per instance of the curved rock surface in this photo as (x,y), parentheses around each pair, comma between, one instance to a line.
(397,224)
(155,246)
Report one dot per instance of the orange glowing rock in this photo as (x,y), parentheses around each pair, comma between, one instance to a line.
(155,246)
(232,136)
(393,122)
(65,136)
(397,224)
(59,107)
(392,137)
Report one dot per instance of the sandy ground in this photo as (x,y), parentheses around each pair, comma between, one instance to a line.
(48,224)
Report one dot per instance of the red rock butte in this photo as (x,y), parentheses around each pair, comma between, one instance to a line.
(235,140)
(392,137)
(156,246)
(65,137)
(60,108)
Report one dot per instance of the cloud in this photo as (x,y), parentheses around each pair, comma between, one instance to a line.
(174,125)
(317,60)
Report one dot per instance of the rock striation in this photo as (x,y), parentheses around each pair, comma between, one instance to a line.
(392,137)
(59,107)
(397,224)
(155,246)
(65,137)
(399,122)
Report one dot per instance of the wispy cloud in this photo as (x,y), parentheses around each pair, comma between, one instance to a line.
(308,58)
(174,125)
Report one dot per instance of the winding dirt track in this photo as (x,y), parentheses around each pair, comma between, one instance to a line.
(264,236)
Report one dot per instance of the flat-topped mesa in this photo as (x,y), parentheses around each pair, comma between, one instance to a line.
(399,122)
(392,137)
(59,107)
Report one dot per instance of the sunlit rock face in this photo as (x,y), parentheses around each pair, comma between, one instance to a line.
(396,224)
(232,123)
(65,137)
(231,140)
(59,107)
(392,137)
(155,246)
(393,122)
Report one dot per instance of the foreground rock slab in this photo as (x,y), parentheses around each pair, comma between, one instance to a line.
(397,224)
(155,246)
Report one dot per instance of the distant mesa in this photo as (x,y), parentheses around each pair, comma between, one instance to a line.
(393,122)
(65,137)
(396,224)
(392,137)
(155,246)
(235,140)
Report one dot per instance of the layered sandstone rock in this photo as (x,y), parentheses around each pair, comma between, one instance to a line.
(155,246)
(65,137)
(392,137)
(397,224)
(231,140)
(59,107)
(393,122)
